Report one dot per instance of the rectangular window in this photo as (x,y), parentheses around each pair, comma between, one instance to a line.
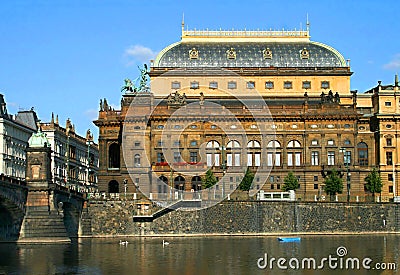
(160,143)
(315,178)
(271,179)
(388,142)
(237,159)
(297,158)
(160,157)
(193,156)
(232,85)
(257,159)
(389,158)
(316,186)
(391,189)
(213,85)
(331,158)
(278,186)
(331,142)
(347,158)
(193,143)
(287,85)
(388,103)
(269,159)
(314,158)
(306,85)
(249,159)
(250,85)
(209,160)
(325,85)
(175,85)
(177,157)
(278,159)
(269,85)
(177,143)
(272,187)
(137,144)
(229,159)
(290,159)
(390,177)
(216,159)
(194,85)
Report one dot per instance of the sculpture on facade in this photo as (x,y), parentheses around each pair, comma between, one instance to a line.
(130,86)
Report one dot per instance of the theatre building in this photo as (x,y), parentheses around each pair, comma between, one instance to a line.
(268,101)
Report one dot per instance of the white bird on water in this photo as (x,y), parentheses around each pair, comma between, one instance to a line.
(164,243)
(123,242)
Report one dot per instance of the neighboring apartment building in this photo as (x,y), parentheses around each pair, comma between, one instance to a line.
(74,159)
(15,130)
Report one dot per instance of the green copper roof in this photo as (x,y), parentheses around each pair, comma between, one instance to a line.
(38,139)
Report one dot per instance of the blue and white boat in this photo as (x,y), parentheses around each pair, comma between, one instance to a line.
(289,239)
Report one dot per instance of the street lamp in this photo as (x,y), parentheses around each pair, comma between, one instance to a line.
(346,162)
(125,186)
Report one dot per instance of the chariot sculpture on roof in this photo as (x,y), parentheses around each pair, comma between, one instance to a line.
(131,87)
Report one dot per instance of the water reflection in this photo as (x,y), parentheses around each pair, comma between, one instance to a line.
(212,255)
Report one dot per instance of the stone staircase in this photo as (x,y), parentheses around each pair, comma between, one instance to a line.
(41,226)
(188,204)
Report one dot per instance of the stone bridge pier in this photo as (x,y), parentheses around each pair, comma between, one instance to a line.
(52,213)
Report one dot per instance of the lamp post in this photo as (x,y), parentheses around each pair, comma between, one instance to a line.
(125,186)
(346,162)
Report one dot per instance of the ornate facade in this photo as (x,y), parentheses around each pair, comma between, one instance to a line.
(270,101)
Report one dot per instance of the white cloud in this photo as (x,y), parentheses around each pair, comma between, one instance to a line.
(92,114)
(394,64)
(139,53)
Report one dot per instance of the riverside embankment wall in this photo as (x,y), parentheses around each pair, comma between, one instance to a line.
(233,217)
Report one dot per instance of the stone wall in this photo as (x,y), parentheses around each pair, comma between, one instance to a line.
(229,217)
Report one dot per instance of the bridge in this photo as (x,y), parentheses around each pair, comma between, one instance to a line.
(31,214)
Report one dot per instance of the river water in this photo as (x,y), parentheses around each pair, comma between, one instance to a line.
(207,255)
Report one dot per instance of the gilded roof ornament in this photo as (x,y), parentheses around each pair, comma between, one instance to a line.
(304,54)
(193,53)
(231,53)
(267,53)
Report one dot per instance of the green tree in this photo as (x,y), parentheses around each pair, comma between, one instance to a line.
(209,180)
(291,182)
(333,184)
(247,180)
(373,182)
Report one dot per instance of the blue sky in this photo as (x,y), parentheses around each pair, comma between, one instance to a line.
(63,56)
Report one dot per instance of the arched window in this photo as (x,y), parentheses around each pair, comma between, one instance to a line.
(212,153)
(162,184)
(113,186)
(179,183)
(362,149)
(114,156)
(294,154)
(233,153)
(196,183)
(253,153)
(294,144)
(136,162)
(274,153)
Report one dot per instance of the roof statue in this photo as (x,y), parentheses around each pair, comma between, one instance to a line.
(130,86)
